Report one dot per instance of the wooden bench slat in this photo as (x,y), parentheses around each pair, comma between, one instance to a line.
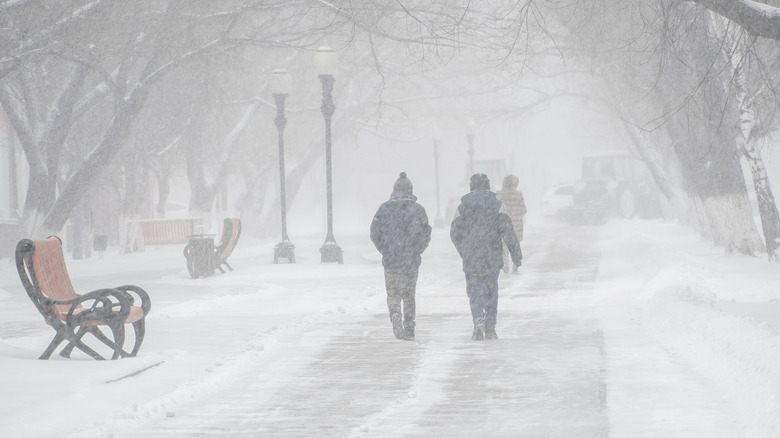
(168,231)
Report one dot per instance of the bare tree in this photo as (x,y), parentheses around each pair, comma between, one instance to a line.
(136,59)
(740,51)
(662,73)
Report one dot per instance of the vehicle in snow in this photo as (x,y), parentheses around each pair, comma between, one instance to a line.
(556,200)
(612,184)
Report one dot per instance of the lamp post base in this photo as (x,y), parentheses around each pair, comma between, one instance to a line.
(284,250)
(331,253)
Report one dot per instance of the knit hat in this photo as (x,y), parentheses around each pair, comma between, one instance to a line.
(479,181)
(402,186)
(510,182)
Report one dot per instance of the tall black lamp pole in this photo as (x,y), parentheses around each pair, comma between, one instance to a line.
(281,84)
(325,61)
(438,222)
(471,129)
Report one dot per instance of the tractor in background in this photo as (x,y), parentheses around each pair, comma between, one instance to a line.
(612,184)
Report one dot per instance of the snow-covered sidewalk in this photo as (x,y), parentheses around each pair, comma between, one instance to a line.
(632,329)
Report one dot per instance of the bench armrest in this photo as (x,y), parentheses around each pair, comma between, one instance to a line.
(141,294)
(103,308)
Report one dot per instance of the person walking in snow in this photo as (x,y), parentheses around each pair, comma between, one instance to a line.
(401,233)
(478,230)
(515,207)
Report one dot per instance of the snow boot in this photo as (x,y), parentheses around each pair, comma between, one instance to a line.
(398,325)
(490,333)
(479,330)
(409,334)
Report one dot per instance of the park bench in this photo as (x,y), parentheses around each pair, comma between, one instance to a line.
(231,231)
(203,258)
(41,266)
(168,231)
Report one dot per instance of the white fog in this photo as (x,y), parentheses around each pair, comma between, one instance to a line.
(636,297)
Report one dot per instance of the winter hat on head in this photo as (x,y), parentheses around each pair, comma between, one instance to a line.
(402,186)
(479,181)
(510,182)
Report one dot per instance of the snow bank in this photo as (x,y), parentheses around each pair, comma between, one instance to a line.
(665,286)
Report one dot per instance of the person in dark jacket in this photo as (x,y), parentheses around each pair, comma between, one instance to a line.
(478,230)
(401,233)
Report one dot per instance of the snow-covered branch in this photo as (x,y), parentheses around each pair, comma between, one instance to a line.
(11,3)
(757,18)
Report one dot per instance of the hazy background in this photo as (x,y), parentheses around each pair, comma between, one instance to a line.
(115,113)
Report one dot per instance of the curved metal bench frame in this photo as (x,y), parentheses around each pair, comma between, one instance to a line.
(42,270)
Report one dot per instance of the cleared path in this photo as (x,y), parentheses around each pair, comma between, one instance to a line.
(348,377)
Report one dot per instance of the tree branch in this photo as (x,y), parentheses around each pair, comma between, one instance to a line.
(757,18)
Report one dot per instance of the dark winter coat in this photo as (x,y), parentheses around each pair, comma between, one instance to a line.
(400,232)
(477,231)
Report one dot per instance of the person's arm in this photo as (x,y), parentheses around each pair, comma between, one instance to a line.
(456,233)
(507,232)
(523,209)
(425,230)
(376,231)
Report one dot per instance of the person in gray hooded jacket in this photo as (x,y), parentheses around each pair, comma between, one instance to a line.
(401,233)
(477,231)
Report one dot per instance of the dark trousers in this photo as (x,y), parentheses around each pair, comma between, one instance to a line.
(401,286)
(482,290)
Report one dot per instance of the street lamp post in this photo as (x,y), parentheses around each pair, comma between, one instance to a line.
(281,83)
(436,139)
(325,62)
(471,129)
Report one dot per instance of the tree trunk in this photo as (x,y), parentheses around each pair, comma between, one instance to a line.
(164,189)
(767,208)
(660,176)
(713,176)
(738,55)
(13,185)
(42,138)
(126,114)
(41,193)
(201,193)
(79,236)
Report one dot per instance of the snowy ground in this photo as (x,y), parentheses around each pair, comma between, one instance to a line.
(634,329)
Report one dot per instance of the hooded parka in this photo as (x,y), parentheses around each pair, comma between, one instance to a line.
(400,229)
(478,230)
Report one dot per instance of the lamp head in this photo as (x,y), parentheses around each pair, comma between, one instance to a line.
(471,128)
(325,61)
(280,82)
